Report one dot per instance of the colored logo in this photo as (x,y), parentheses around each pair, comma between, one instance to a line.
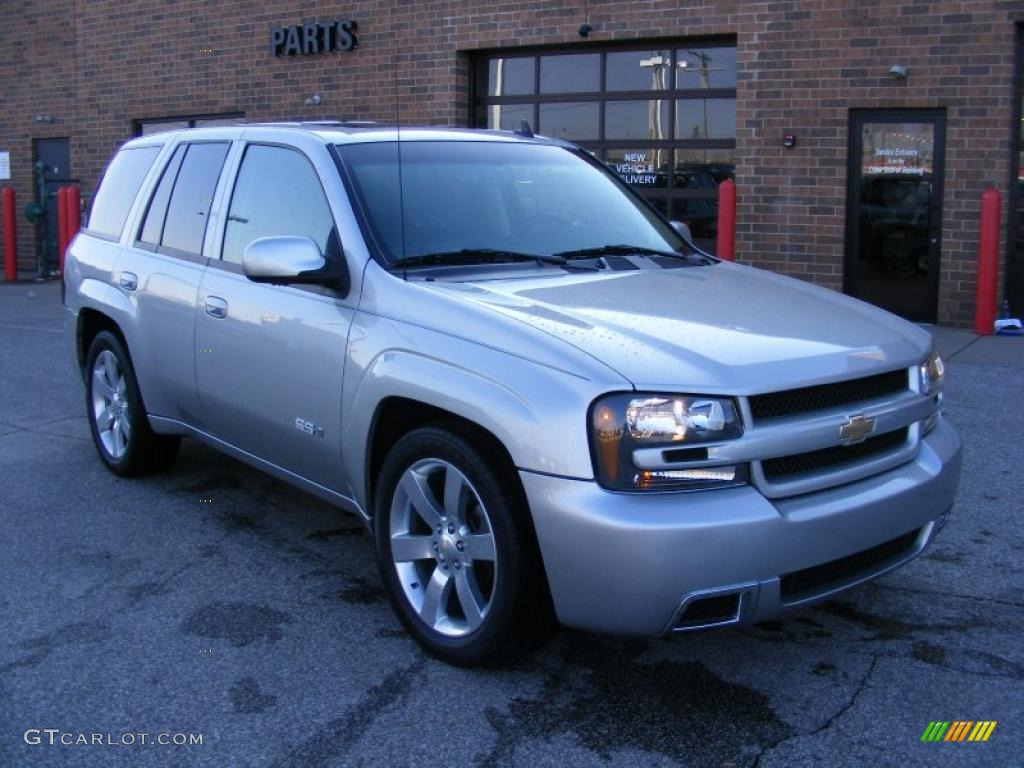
(958,730)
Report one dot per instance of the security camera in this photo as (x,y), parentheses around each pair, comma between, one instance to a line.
(898,70)
(585,30)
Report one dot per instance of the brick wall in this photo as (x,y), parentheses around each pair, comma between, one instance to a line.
(95,66)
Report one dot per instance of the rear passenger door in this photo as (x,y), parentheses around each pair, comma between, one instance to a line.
(162,271)
(271,357)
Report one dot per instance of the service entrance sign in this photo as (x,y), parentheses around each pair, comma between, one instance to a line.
(5,166)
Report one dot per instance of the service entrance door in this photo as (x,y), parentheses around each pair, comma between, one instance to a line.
(894,213)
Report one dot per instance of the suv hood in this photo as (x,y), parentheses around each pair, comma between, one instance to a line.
(714,329)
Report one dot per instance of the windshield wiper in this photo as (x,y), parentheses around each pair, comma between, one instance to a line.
(626,250)
(473,256)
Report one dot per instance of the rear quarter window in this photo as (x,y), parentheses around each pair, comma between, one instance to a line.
(117,190)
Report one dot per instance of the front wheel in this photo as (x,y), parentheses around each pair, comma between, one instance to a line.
(456,551)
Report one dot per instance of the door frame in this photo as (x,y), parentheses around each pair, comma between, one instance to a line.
(855,122)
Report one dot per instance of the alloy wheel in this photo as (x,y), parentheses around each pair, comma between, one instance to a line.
(443,548)
(110,409)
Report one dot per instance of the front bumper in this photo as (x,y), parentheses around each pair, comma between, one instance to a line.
(632,564)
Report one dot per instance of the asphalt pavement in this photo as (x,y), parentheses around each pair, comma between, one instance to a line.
(215,601)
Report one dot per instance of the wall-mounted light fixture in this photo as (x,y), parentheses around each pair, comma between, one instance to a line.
(315,100)
(898,70)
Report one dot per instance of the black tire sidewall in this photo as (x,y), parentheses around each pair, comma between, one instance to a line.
(495,639)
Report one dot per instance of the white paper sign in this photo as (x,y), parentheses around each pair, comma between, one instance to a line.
(5,165)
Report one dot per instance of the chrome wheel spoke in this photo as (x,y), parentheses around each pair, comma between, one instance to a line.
(105,419)
(100,386)
(111,370)
(118,438)
(469,598)
(435,598)
(453,485)
(125,427)
(406,548)
(480,546)
(415,486)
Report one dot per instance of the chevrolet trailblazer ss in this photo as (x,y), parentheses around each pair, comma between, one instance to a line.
(543,401)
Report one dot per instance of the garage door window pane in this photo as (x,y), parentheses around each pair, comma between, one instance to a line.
(638,71)
(636,120)
(647,168)
(572,120)
(507,117)
(719,164)
(575,73)
(703,68)
(510,77)
(706,119)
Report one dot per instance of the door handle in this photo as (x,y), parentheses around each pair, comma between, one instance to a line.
(129,281)
(216,307)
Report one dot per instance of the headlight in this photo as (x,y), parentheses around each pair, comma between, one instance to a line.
(932,373)
(620,424)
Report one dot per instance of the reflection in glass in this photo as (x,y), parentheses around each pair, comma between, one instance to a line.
(510,77)
(573,73)
(706,119)
(145,129)
(638,71)
(700,214)
(719,164)
(641,167)
(636,119)
(703,68)
(507,117)
(572,120)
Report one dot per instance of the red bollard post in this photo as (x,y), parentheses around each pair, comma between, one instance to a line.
(988,263)
(10,236)
(62,225)
(74,212)
(725,247)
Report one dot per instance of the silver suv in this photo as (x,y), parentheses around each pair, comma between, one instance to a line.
(542,399)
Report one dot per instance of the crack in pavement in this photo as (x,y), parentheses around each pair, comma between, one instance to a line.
(917,591)
(830,721)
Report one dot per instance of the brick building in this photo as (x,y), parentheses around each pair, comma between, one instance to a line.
(900,113)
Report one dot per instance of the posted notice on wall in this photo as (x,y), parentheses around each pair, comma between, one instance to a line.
(5,166)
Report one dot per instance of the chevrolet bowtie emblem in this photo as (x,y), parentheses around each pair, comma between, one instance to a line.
(856,429)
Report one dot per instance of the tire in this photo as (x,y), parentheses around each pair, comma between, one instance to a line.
(457,552)
(117,417)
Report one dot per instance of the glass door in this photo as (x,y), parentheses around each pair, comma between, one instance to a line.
(894,219)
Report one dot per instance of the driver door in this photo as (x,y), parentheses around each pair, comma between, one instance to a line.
(270,358)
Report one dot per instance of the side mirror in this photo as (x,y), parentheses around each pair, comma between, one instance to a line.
(683,230)
(285,260)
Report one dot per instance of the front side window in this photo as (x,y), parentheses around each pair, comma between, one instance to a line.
(190,203)
(527,198)
(117,191)
(277,193)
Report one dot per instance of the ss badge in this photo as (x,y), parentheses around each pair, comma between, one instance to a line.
(309,427)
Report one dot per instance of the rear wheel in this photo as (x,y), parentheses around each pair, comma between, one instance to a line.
(117,418)
(456,551)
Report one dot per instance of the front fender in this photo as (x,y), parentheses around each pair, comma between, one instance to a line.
(538,413)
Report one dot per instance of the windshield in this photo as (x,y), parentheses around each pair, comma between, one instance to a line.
(457,197)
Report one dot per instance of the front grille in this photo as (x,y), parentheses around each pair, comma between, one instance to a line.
(710,610)
(807,399)
(810,581)
(787,467)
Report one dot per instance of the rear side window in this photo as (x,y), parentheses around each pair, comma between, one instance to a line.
(153,225)
(192,197)
(277,192)
(118,189)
